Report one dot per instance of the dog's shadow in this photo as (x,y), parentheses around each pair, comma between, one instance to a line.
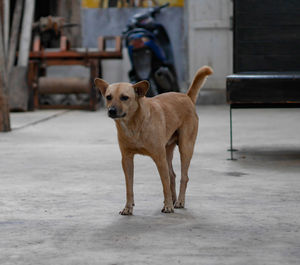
(129,230)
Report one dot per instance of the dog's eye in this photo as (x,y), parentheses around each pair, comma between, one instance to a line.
(124,98)
(109,97)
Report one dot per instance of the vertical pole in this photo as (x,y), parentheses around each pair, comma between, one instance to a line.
(231,148)
(231,137)
(6,14)
(25,39)
(14,35)
(93,92)
(4,108)
(4,114)
(32,84)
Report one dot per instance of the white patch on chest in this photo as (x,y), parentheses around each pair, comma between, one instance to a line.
(133,135)
(128,132)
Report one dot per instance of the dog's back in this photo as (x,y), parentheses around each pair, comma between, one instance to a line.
(174,105)
(177,107)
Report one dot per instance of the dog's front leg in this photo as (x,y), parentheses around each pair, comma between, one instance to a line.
(163,169)
(127,164)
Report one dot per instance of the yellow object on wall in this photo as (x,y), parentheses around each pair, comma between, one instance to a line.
(90,3)
(128,3)
(172,2)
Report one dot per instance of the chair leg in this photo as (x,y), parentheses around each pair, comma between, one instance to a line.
(94,72)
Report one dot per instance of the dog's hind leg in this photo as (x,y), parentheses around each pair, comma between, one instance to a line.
(186,143)
(169,150)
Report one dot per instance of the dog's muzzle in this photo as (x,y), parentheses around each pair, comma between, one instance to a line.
(113,113)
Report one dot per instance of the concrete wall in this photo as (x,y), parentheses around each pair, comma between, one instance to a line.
(111,21)
(210,39)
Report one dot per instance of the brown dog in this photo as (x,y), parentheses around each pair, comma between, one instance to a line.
(153,127)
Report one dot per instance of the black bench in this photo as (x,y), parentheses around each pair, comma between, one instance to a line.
(266,61)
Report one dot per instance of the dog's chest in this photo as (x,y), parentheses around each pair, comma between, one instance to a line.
(130,133)
(131,136)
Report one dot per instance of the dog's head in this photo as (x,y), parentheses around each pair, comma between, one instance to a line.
(122,99)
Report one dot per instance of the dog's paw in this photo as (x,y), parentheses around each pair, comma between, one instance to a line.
(126,211)
(179,204)
(167,209)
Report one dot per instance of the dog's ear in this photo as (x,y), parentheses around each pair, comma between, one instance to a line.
(141,88)
(102,85)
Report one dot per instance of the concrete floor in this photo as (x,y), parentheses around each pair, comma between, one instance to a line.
(62,188)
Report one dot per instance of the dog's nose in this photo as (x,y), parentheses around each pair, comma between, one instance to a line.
(112,112)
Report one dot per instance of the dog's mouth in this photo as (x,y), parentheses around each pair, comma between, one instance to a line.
(116,116)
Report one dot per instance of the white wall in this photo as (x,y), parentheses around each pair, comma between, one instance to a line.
(116,70)
(210,39)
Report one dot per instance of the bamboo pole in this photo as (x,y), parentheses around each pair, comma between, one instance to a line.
(14,35)
(4,109)
(25,39)
(4,115)
(6,14)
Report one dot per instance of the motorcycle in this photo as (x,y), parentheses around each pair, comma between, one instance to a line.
(150,52)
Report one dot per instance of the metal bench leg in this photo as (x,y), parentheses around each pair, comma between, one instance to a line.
(231,144)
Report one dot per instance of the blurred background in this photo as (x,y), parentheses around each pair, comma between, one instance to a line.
(199,34)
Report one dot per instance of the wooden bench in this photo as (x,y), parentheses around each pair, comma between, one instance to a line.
(40,59)
(266,56)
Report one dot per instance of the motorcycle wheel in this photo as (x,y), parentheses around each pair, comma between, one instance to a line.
(153,90)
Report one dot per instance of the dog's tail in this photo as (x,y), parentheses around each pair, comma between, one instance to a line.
(198,82)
